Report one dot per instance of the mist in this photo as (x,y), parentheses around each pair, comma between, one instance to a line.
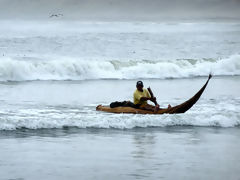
(124,10)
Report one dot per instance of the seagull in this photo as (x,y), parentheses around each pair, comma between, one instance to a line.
(55,15)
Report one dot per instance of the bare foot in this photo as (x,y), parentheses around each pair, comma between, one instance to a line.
(169,106)
(97,108)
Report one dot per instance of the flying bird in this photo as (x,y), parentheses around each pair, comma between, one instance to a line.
(55,15)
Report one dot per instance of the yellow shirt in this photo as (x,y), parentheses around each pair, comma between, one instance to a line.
(138,94)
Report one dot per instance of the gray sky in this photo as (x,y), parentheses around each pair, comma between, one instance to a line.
(120,9)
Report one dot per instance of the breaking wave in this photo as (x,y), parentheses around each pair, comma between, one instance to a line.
(207,113)
(119,121)
(71,69)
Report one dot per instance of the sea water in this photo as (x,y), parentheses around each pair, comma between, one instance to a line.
(53,75)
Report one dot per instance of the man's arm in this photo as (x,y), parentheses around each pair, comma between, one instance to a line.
(153,98)
(148,98)
(145,98)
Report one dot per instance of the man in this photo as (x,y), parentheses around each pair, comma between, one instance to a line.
(141,96)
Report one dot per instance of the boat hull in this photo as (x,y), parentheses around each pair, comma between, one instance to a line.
(128,110)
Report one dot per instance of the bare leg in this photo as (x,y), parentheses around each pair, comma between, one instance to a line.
(156,108)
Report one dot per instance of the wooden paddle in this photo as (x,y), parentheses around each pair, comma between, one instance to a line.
(152,96)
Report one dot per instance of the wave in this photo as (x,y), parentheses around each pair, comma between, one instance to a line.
(207,113)
(118,121)
(12,69)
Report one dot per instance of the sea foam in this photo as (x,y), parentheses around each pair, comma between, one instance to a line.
(120,121)
(206,113)
(12,69)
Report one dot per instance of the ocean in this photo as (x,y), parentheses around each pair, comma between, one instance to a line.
(54,73)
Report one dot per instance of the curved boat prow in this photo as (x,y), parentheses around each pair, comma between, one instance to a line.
(182,108)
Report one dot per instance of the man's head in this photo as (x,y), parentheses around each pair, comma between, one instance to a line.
(139,85)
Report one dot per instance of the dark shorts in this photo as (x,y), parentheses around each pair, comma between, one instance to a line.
(124,104)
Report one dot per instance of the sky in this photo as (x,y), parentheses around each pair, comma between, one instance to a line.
(120,10)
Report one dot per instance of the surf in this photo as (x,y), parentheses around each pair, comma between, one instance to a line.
(31,69)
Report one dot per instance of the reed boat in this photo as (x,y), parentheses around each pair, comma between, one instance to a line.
(181,108)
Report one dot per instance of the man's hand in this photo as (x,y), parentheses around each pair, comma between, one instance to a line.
(153,99)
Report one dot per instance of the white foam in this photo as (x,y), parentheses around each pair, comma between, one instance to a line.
(206,113)
(121,121)
(72,69)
